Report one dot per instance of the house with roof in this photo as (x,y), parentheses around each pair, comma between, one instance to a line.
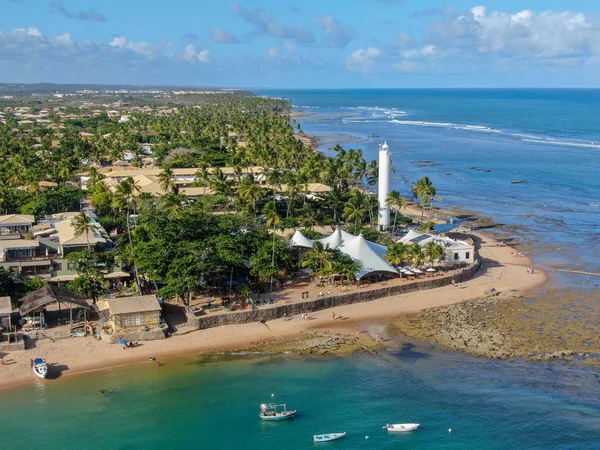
(456,251)
(16,224)
(369,254)
(123,313)
(46,255)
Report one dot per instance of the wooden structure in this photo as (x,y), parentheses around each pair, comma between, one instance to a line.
(133,312)
(33,305)
(5,313)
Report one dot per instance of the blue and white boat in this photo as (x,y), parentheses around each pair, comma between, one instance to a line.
(272,411)
(328,437)
(40,368)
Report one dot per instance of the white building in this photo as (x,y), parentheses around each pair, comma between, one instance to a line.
(456,251)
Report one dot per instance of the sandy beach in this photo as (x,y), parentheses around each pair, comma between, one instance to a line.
(502,269)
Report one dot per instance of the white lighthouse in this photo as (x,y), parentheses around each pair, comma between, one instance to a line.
(384,186)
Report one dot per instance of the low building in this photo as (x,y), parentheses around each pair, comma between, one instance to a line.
(456,251)
(45,256)
(132,312)
(16,224)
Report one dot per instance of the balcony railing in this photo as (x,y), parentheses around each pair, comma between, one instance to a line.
(31,258)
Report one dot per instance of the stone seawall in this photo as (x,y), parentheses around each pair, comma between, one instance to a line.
(331,301)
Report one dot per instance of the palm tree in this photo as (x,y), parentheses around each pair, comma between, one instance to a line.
(272,221)
(425,191)
(415,254)
(319,258)
(124,199)
(165,179)
(173,203)
(355,209)
(434,251)
(372,174)
(250,191)
(397,253)
(397,202)
(83,225)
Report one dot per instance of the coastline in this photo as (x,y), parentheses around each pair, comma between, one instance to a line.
(501,270)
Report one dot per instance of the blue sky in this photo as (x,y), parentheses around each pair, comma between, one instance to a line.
(303,44)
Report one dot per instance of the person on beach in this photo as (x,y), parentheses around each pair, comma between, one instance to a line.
(333,315)
(357,329)
(532,270)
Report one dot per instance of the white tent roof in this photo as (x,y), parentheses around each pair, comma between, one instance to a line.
(369,254)
(299,240)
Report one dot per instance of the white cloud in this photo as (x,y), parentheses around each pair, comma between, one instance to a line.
(192,54)
(289,47)
(426,51)
(143,48)
(31,31)
(524,34)
(362,59)
(64,39)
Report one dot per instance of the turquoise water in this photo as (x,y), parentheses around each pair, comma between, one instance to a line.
(488,405)
(549,138)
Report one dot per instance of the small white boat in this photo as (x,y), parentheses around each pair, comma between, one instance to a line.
(402,427)
(40,368)
(273,411)
(328,437)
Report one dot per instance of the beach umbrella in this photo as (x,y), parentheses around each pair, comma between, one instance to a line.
(430,269)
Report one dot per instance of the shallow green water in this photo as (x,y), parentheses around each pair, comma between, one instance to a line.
(489,405)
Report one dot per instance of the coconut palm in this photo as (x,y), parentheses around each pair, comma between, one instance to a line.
(355,209)
(397,202)
(165,180)
(397,253)
(425,191)
(272,221)
(434,251)
(319,258)
(173,204)
(250,191)
(83,225)
(415,254)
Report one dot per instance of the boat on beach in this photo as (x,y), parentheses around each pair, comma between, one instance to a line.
(273,411)
(401,427)
(328,437)
(40,368)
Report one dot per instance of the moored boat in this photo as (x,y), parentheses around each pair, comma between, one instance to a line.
(517,181)
(40,368)
(328,437)
(402,427)
(272,411)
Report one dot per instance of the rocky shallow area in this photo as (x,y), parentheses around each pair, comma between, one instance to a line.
(316,343)
(558,324)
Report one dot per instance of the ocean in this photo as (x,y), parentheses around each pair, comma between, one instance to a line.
(548,138)
(189,404)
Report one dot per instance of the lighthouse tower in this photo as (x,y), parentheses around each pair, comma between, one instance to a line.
(384,186)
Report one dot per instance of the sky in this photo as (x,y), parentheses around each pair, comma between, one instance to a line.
(302,44)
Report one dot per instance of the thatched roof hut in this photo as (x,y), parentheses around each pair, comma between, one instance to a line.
(50,294)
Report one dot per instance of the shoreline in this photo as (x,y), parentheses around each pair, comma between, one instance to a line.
(501,270)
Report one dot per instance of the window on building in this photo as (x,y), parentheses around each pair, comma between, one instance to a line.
(467,255)
(57,266)
(138,320)
(456,256)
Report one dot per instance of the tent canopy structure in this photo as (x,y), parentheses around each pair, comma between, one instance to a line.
(369,254)
(50,294)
